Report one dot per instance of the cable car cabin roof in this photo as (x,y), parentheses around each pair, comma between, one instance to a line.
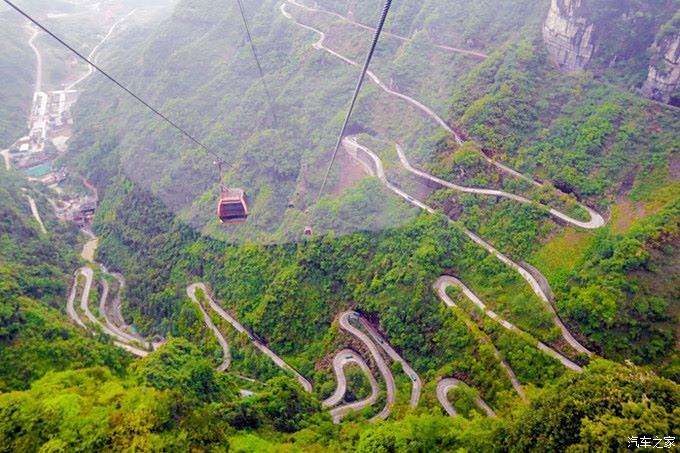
(232,206)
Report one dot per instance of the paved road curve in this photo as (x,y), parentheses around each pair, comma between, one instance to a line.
(36,213)
(472,53)
(38,59)
(88,275)
(380,362)
(342,359)
(191,291)
(70,303)
(355,148)
(596,220)
(446,281)
(226,363)
(416,383)
(443,388)
(110,310)
(119,340)
(426,110)
(93,53)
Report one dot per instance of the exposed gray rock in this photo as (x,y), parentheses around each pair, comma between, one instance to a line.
(568,35)
(664,72)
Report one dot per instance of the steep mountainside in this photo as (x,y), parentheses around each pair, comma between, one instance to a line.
(35,272)
(664,71)
(591,140)
(617,37)
(17,69)
(492,267)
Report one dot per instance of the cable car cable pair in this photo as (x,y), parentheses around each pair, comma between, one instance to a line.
(232,205)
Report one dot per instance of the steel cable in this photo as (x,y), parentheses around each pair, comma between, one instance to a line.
(376,37)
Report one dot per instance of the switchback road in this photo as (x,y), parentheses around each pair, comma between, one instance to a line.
(443,388)
(416,383)
(340,361)
(191,291)
(446,281)
(354,148)
(345,323)
(472,53)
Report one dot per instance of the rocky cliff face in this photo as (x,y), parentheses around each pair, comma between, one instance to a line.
(568,35)
(664,71)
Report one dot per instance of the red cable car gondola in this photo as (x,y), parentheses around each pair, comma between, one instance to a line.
(232,206)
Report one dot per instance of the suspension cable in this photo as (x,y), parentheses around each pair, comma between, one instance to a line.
(376,37)
(119,84)
(253,50)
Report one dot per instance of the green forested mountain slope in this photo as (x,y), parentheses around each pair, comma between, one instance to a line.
(35,270)
(596,141)
(578,133)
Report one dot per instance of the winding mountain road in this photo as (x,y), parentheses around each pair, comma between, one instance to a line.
(380,362)
(419,105)
(537,289)
(353,148)
(90,247)
(36,213)
(119,340)
(443,388)
(88,276)
(70,303)
(416,383)
(191,291)
(38,58)
(472,53)
(340,361)
(110,310)
(472,327)
(446,281)
(93,53)
(596,220)
(226,363)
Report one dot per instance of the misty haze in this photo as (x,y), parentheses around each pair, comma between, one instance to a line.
(339,225)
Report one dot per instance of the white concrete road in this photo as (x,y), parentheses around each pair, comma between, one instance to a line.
(596,220)
(38,57)
(36,214)
(446,281)
(345,323)
(70,303)
(191,291)
(110,310)
(472,53)
(340,361)
(93,53)
(416,383)
(85,307)
(354,148)
(443,388)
